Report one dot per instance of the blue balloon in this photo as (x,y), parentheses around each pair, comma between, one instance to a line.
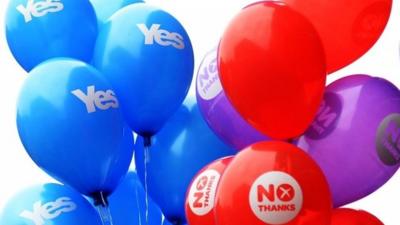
(147,56)
(183,147)
(128,204)
(49,204)
(70,124)
(106,8)
(38,30)
(166,222)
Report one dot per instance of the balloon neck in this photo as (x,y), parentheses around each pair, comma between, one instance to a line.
(147,141)
(100,199)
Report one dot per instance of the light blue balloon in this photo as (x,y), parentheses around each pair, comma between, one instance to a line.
(106,8)
(69,121)
(128,204)
(49,204)
(38,30)
(147,56)
(182,148)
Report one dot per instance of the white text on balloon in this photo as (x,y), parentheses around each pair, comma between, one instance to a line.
(39,9)
(161,37)
(102,100)
(49,211)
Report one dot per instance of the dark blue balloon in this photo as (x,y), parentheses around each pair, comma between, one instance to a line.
(106,8)
(38,30)
(49,204)
(147,56)
(128,204)
(183,147)
(70,124)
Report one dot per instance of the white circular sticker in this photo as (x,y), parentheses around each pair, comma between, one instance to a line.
(208,82)
(202,192)
(276,198)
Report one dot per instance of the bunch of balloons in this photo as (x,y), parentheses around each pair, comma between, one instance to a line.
(266,81)
(97,71)
(265,142)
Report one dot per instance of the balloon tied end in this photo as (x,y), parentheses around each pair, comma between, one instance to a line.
(177,221)
(100,199)
(147,141)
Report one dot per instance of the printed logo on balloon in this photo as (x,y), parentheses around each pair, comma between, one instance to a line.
(48,211)
(327,117)
(93,99)
(208,83)
(39,9)
(161,37)
(202,193)
(388,140)
(276,198)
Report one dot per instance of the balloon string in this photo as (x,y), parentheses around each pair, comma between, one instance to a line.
(101,203)
(105,215)
(138,206)
(147,144)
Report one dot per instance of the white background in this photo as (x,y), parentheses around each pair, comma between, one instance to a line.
(205,21)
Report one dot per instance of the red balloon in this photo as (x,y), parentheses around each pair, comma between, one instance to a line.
(273,183)
(200,198)
(272,67)
(348,29)
(353,217)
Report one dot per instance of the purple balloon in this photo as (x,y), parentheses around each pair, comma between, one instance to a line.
(355,137)
(216,109)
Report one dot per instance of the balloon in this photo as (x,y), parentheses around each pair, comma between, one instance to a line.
(148,58)
(49,204)
(105,8)
(348,29)
(166,222)
(128,204)
(70,124)
(38,30)
(353,217)
(273,183)
(200,199)
(219,113)
(182,148)
(354,137)
(272,68)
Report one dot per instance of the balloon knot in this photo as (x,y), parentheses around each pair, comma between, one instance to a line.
(147,141)
(100,198)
